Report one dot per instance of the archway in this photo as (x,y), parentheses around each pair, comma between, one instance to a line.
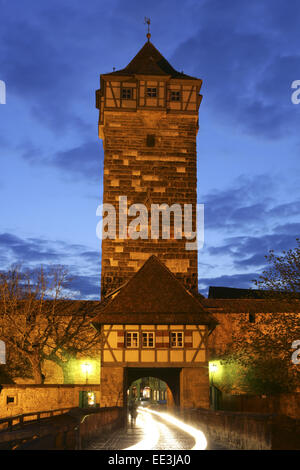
(171,376)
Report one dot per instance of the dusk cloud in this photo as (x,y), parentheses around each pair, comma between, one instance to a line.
(83,266)
(248,202)
(51,57)
(84,161)
(246,69)
(240,281)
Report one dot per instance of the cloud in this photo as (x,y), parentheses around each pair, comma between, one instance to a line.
(247,63)
(84,161)
(249,203)
(46,66)
(242,281)
(82,264)
(85,287)
(26,250)
(249,251)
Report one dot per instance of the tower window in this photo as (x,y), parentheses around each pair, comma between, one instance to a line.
(131,339)
(10,400)
(251,317)
(148,340)
(151,92)
(175,95)
(150,140)
(176,339)
(126,93)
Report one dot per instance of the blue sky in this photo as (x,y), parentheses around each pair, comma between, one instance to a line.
(51,56)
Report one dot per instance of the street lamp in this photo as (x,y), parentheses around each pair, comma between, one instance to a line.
(212,368)
(86,368)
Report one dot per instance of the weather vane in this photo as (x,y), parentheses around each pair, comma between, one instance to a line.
(147,20)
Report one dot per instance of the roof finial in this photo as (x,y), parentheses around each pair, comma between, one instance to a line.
(147,20)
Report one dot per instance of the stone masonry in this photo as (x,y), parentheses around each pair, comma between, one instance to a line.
(164,174)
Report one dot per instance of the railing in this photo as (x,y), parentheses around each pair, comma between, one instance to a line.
(68,434)
(18,421)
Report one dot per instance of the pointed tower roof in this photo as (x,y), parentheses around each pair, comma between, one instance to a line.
(149,61)
(153,296)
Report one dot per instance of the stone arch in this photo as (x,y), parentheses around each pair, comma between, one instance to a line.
(171,376)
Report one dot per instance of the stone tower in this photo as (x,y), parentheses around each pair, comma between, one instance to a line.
(148,121)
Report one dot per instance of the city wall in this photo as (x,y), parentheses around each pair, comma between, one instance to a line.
(251,431)
(28,398)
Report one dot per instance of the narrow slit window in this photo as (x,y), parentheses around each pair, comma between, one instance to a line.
(251,317)
(150,140)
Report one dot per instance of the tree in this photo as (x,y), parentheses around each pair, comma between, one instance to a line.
(263,347)
(38,323)
(282,278)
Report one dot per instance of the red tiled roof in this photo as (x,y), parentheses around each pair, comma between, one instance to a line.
(154,295)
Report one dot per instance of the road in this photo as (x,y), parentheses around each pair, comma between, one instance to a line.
(154,431)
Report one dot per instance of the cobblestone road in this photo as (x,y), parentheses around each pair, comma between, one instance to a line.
(150,432)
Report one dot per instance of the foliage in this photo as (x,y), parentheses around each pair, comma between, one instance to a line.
(37,323)
(282,278)
(263,348)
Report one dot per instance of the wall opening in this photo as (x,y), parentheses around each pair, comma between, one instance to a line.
(143,382)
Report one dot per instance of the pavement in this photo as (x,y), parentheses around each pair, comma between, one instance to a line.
(150,432)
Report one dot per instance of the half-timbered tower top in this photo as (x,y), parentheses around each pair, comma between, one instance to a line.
(128,88)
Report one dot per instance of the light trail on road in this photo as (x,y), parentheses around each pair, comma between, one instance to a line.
(154,430)
(152,433)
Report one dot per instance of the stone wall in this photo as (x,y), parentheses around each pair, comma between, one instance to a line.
(251,431)
(165,173)
(194,387)
(284,403)
(103,421)
(69,431)
(21,399)
(112,386)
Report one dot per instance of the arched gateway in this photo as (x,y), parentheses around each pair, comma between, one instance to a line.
(151,316)
(153,326)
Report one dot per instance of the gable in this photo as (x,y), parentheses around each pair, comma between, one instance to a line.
(153,294)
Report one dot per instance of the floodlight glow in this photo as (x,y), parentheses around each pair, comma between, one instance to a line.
(86,368)
(213,367)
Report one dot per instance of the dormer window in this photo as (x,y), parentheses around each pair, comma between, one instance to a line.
(126,94)
(175,95)
(151,92)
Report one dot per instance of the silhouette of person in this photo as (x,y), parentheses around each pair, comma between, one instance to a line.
(132,411)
